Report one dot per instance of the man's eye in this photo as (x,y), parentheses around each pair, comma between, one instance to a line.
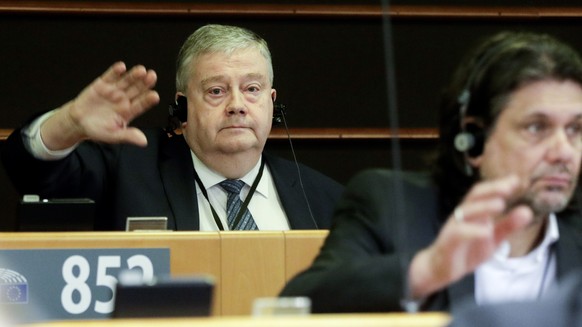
(574,130)
(535,128)
(253,89)
(215,91)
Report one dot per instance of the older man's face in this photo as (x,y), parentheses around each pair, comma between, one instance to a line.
(230,106)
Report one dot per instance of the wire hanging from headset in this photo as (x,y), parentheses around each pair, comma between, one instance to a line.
(281,109)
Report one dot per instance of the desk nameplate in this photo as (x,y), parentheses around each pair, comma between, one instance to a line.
(62,284)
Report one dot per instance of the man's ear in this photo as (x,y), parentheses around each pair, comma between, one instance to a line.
(475,162)
(273,95)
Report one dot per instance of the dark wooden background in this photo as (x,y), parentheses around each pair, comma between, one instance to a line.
(329,60)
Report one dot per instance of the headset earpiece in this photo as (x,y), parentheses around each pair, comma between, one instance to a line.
(177,114)
(179,110)
(464,141)
(470,140)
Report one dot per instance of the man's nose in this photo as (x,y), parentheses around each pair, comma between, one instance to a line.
(236,105)
(562,147)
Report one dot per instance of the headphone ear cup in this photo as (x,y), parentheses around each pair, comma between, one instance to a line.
(177,114)
(479,140)
(464,141)
(471,140)
(179,110)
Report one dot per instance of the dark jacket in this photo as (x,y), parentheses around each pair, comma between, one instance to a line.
(158,180)
(380,223)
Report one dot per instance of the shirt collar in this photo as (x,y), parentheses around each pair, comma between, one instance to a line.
(551,235)
(211,178)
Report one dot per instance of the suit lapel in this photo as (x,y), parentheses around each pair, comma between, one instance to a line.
(177,174)
(569,246)
(289,190)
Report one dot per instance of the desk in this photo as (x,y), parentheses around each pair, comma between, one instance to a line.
(334,320)
(246,265)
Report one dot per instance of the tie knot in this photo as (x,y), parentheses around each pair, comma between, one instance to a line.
(232,185)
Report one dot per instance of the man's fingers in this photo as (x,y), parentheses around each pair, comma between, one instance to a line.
(479,211)
(487,200)
(144,102)
(134,77)
(139,86)
(503,187)
(515,220)
(135,136)
(130,135)
(114,72)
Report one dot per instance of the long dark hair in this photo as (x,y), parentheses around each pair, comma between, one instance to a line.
(495,68)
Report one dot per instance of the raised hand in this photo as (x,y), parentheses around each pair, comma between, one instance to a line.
(104,109)
(470,236)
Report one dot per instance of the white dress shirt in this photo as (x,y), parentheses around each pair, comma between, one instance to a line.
(525,278)
(265,205)
(34,144)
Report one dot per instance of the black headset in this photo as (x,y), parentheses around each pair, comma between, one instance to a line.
(471,138)
(178,112)
(179,109)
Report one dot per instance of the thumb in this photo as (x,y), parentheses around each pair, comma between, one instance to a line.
(132,135)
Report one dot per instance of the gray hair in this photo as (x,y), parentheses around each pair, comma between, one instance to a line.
(217,39)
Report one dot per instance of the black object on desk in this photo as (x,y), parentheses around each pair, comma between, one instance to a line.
(181,297)
(36,215)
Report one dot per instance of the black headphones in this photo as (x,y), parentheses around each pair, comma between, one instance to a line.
(179,109)
(471,138)
(178,113)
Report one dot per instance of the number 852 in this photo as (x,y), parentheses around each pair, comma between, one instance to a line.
(78,283)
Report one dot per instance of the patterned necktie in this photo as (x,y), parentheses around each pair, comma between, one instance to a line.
(233,205)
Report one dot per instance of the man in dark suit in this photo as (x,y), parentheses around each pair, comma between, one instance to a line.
(492,223)
(223,116)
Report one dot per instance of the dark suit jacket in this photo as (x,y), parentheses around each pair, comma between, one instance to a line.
(380,223)
(158,180)
(561,307)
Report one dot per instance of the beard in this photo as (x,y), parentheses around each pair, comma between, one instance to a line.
(547,199)
(543,205)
